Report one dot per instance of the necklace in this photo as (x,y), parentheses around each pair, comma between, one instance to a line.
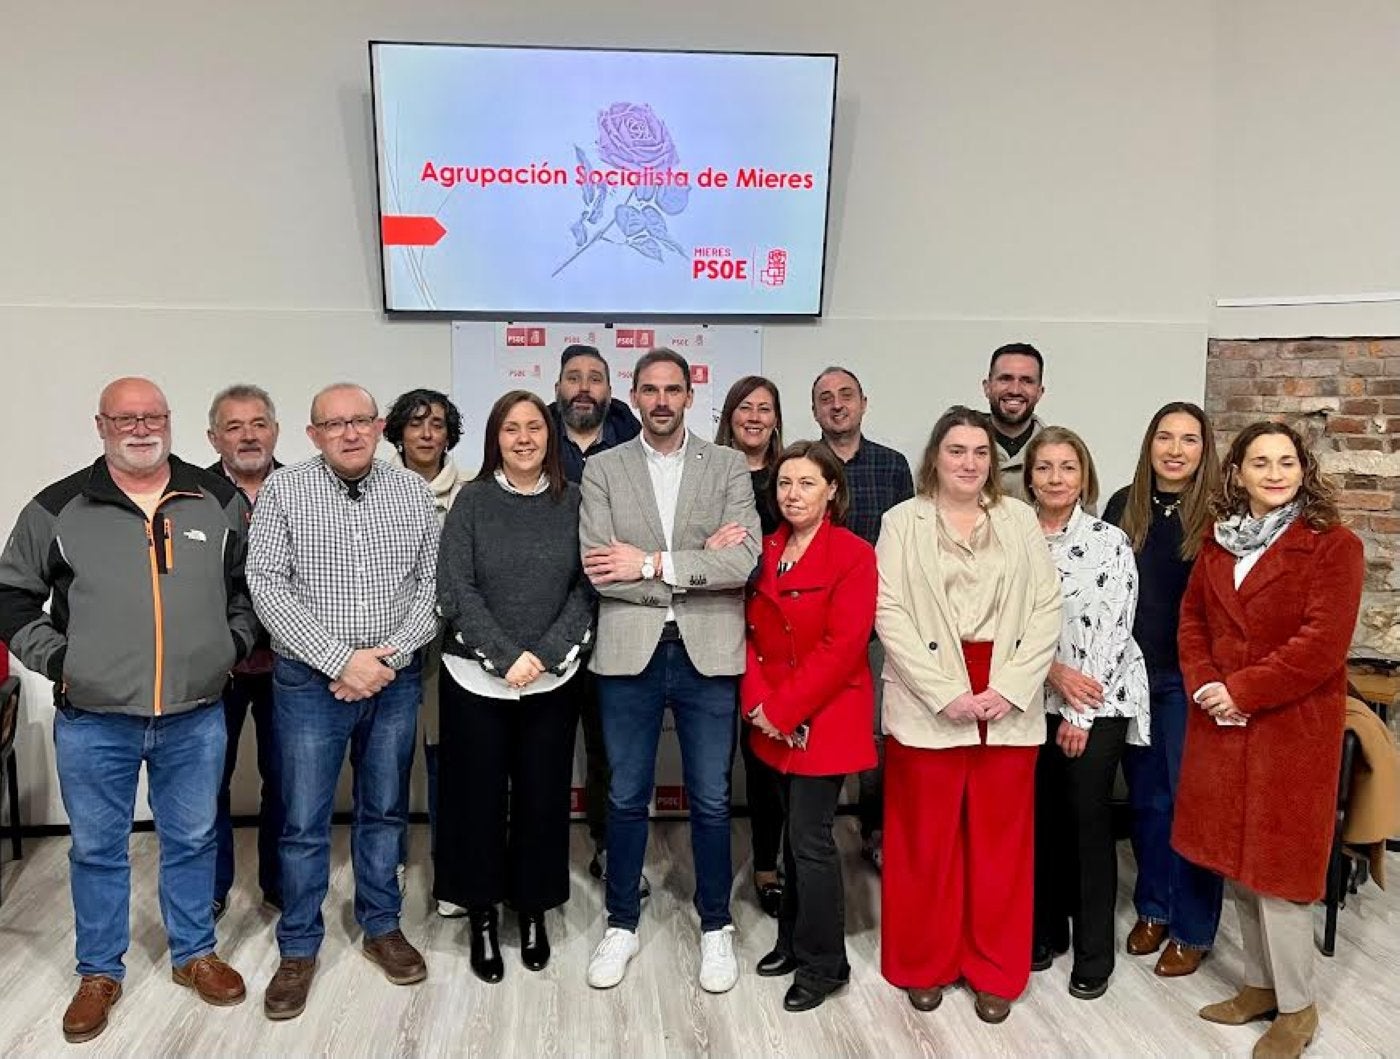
(1167,509)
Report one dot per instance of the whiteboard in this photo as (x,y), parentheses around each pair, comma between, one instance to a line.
(488,359)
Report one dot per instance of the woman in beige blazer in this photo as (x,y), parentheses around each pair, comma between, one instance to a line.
(969,613)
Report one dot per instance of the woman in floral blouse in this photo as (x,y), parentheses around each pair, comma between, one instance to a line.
(1096,702)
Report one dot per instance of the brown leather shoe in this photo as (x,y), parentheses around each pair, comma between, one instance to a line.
(401,963)
(926,999)
(1290,1034)
(992,1008)
(1250,1003)
(1146,938)
(1177,961)
(215,981)
(286,993)
(86,1016)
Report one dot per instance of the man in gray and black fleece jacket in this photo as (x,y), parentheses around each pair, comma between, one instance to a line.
(140,558)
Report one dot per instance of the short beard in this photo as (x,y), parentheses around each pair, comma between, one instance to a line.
(1002,421)
(125,463)
(579,418)
(251,464)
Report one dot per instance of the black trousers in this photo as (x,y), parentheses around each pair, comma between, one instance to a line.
(812,923)
(761,784)
(1076,860)
(597,774)
(504,772)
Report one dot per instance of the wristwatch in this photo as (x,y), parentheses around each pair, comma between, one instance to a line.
(648,568)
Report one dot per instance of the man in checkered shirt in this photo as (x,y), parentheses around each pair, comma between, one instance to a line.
(342,566)
(878,478)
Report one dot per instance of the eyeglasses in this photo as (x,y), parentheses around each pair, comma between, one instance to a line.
(333,428)
(126,424)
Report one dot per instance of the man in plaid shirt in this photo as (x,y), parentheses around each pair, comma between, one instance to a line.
(878,478)
(342,566)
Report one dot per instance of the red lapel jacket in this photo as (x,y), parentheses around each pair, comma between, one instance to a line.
(808,635)
(1257,803)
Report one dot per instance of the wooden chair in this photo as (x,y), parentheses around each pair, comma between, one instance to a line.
(9,723)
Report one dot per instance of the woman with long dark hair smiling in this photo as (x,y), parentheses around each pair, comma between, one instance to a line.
(519,615)
(1265,629)
(752,422)
(1166,512)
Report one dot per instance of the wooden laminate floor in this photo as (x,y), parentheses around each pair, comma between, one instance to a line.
(660,1009)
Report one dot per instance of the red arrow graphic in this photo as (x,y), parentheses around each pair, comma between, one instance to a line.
(406,230)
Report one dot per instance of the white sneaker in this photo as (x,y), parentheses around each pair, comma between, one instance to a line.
(609,962)
(448,910)
(719,970)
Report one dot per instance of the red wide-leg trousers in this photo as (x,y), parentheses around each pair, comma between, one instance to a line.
(959,869)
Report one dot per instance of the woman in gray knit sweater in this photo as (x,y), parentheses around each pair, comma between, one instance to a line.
(519,617)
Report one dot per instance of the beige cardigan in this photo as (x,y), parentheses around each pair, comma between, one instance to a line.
(924,668)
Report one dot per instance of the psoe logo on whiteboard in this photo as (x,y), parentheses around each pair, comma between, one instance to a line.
(525,336)
(635,338)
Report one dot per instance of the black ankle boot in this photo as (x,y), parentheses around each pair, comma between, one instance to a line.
(534,941)
(486,946)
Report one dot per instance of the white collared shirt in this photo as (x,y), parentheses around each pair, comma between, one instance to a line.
(666,470)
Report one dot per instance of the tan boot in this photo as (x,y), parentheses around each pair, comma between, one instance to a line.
(1289,1035)
(1250,1003)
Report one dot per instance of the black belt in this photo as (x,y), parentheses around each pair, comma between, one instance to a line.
(670,633)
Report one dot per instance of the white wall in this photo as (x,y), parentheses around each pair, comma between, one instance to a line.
(1305,186)
(188,193)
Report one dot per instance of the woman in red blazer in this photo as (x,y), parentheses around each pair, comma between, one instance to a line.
(808,694)
(1266,622)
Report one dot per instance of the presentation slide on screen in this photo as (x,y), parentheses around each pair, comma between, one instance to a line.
(520,180)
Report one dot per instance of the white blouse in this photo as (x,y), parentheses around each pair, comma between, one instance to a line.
(1099,584)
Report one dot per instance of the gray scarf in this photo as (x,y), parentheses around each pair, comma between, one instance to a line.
(1243,535)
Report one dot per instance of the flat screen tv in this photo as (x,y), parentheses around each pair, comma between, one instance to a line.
(525,181)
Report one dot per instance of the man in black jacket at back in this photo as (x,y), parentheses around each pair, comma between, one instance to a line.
(590,421)
(243,431)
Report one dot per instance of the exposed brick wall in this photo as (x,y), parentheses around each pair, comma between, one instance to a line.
(1344,395)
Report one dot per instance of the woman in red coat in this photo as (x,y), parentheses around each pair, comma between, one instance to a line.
(808,694)
(1265,626)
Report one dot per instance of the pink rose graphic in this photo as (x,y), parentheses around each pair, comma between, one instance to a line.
(631,136)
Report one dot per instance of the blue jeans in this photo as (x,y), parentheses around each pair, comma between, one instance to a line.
(706,716)
(245,693)
(314,729)
(99,759)
(1170,889)
(430,763)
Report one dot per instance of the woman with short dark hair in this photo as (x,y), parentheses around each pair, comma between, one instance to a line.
(424,427)
(1265,629)
(808,694)
(519,617)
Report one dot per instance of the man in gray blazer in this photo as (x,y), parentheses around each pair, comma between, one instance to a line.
(669,535)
